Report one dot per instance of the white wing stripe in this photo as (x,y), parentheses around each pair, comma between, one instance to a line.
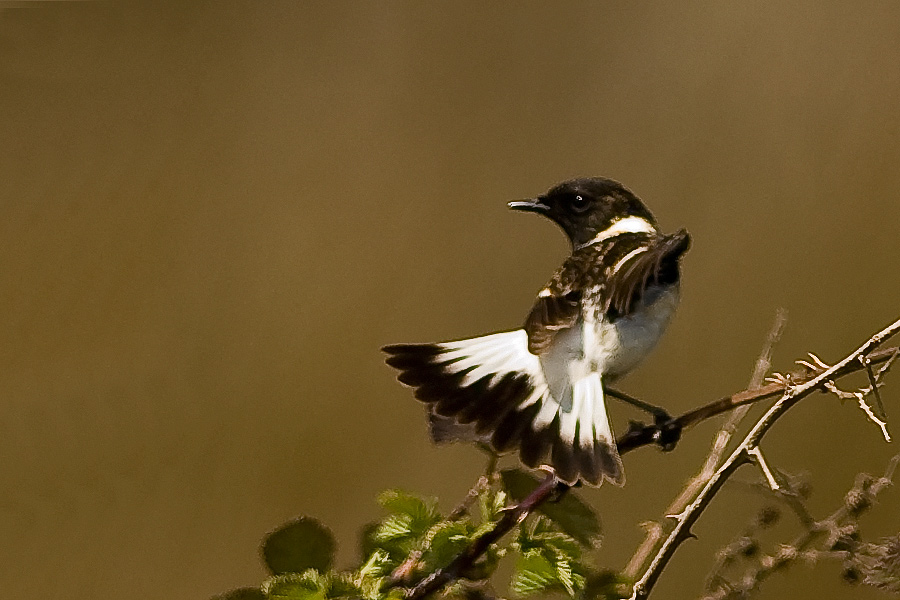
(546,414)
(582,405)
(589,406)
(492,356)
(628,257)
(568,419)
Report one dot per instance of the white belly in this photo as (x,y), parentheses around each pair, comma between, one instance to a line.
(616,348)
(611,349)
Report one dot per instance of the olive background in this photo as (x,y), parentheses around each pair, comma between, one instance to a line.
(215,213)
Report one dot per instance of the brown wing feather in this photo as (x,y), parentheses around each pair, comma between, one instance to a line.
(659,264)
(549,316)
(558,305)
(617,288)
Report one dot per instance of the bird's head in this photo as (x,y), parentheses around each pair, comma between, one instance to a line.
(590,207)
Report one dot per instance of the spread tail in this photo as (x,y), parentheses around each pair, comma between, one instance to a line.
(496,386)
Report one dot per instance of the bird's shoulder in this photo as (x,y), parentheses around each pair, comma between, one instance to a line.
(607,275)
(590,267)
(558,305)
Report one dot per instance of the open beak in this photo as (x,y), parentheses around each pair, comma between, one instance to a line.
(530,205)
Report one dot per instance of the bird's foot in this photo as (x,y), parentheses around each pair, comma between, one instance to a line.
(668,431)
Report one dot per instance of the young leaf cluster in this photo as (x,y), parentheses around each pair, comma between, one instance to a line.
(547,552)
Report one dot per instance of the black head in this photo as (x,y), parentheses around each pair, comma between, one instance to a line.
(588,206)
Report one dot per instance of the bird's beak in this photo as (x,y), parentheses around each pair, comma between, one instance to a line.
(530,205)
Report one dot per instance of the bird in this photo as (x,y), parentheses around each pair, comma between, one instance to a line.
(541,389)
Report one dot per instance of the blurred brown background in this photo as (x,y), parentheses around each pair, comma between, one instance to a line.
(214,215)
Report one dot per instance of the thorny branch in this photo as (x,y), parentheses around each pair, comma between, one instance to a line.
(790,395)
(638,436)
(644,435)
(720,444)
(880,418)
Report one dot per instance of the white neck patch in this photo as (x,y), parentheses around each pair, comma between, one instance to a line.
(630,224)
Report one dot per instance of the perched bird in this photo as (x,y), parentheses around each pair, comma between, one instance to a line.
(541,388)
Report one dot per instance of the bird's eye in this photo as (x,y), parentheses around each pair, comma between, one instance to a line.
(580,204)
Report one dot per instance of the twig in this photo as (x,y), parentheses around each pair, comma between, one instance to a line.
(788,494)
(873,381)
(878,419)
(511,517)
(767,471)
(483,483)
(723,437)
(790,396)
(858,499)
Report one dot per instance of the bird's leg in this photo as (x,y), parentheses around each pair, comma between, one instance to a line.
(658,414)
(668,431)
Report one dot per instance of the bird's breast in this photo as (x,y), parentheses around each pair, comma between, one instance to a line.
(616,347)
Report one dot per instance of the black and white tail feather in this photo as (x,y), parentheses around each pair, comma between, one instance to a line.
(494,383)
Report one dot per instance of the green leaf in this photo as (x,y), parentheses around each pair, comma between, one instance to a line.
(244,593)
(393,528)
(341,585)
(421,514)
(295,586)
(570,513)
(550,559)
(402,532)
(395,537)
(534,574)
(565,575)
(400,502)
(367,542)
(491,504)
(298,545)
(376,566)
(370,574)
(544,535)
(444,542)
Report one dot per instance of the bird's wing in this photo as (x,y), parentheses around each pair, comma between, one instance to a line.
(629,270)
(614,272)
(558,305)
